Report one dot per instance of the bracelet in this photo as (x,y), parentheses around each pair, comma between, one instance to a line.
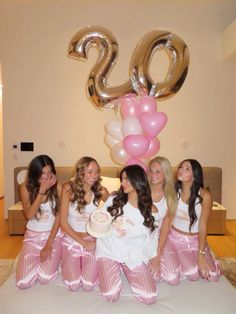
(159,250)
(202,252)
(40,193)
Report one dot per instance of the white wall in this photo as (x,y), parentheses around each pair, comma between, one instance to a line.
(44,97)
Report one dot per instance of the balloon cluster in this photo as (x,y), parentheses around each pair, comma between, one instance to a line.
(133,138)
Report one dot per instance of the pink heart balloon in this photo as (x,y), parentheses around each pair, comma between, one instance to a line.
(136,145)
(153,148)
(146,104)
(128,105)
(153,123)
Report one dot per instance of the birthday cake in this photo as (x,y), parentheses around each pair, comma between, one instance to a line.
(99,225)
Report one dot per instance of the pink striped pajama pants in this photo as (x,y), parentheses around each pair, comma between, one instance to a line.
(29,268)
(185,248)
(79,267)
(170,270)
(139,278)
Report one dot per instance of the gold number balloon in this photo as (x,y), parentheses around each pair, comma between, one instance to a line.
(98,89)
(101,93)
(177,52)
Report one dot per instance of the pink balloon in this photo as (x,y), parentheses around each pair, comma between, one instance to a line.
(128,104)
(153,123)
(136,145)
(134,161)
(153,148)
(119,154)
(146,104)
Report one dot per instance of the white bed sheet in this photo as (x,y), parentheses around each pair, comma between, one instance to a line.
(199,297)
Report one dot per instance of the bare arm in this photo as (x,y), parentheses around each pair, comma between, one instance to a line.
(65,203)
(202,232)
(47,250)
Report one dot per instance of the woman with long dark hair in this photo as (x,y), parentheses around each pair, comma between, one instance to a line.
(189,230)
(80,197)
(129,246)
(41,252)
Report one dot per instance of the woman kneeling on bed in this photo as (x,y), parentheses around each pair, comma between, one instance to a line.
(127,246)
(189,229)
(41,252)
(80,197)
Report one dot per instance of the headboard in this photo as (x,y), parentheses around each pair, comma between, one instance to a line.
(212,178)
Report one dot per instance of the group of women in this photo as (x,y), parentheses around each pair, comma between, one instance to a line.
(159,228)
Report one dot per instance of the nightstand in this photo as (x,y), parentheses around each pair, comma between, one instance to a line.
(216,223)
(16,219)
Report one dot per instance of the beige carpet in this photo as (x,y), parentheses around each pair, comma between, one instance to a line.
(228,265)
(5,269)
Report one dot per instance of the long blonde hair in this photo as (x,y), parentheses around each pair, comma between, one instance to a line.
(169,184)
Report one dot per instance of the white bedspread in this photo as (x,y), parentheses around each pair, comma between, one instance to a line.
(198,297)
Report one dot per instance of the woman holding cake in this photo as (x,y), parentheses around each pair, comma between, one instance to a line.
(80,197)
(189,230)
(41,251)
(129,245)
(161,181)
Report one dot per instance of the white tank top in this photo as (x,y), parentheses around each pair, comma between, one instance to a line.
(162,210)
(130,242)
(78,220)
(182,221)
(43,221)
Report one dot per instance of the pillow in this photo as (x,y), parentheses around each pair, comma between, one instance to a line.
(112,184)
(21,176)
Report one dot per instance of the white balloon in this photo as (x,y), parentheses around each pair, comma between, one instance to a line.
(119,154)
(131,126)
(110,141)
(113,128)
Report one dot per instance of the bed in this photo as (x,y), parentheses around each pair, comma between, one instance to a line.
(188,297)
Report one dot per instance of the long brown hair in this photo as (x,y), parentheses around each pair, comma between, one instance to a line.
(35,171)
(77,184)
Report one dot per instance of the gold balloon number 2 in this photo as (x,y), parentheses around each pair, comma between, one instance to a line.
(101,93)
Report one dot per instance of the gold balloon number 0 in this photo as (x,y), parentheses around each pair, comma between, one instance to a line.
(101,93)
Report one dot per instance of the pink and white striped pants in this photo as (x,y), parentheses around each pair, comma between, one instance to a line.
(140,280)
(29,268)
(170,269)
(185,250)
(79,267)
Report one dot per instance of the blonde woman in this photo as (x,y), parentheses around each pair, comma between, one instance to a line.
(161,180)
(80,197)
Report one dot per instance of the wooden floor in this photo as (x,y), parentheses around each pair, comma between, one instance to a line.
(222,245)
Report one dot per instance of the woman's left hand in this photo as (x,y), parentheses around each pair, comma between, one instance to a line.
(46,253)
(154,265)
(204,267)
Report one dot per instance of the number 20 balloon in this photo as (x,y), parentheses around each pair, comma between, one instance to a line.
(101,93)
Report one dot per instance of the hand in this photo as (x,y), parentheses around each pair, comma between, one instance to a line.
(89,243)
(154,265)
(47,182)
(204,267)
(45,253)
